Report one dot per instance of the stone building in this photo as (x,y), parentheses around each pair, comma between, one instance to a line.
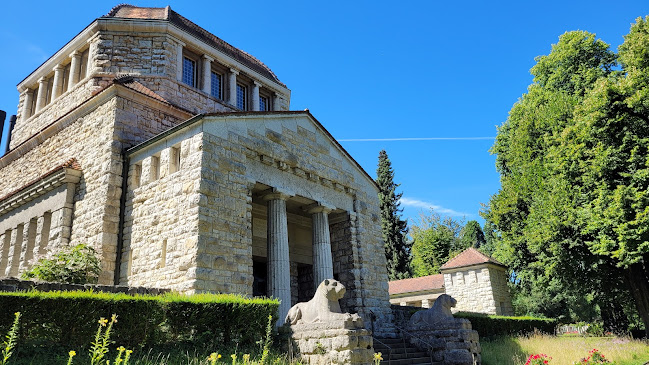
(176,157)
(477,281)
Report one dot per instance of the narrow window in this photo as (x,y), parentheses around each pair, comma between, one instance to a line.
(50,90)
(66,78)
(216,85)
(154,171)
(242,101)
(83,70)
(45,233)
(263,103)
(189,71)
(137,175)
(174,159)
(163,254)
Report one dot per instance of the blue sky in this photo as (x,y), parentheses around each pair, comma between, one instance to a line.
(378,70)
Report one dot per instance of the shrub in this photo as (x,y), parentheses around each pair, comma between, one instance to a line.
(66,319)
(491,325)
(76,265)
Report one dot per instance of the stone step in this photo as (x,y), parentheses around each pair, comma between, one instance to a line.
(411,361)
(396,350)
(406,355)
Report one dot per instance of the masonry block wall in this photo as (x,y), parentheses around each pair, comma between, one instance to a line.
(481,289)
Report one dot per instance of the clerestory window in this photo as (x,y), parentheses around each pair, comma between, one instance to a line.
(242,97)
(189,71)
(216,85)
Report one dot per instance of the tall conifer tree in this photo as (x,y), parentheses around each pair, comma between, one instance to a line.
(394,229)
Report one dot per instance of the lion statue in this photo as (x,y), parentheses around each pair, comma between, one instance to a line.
(439,312)
(323,307)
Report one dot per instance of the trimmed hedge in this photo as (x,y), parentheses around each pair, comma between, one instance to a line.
(70,319)
(491,325)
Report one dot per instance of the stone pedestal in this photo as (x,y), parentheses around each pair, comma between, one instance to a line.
(450,342)
(343,341)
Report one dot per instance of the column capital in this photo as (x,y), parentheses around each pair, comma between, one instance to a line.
(42,80)
(257,83)
(58,67)
(274,194)
(74,54)
(208,58)
(234,71)
(318,208)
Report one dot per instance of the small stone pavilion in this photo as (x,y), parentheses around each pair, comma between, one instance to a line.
(175,155)
(477,281)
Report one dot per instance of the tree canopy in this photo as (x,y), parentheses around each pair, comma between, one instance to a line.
(393,228)
(572,213)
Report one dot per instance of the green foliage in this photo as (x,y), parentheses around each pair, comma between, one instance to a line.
(66,319)
(574,172)
(393,228)
(471,235)
(76,265)
(490,325)
(435,240)
(11,339)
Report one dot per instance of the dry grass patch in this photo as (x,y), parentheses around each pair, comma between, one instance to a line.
(563,350)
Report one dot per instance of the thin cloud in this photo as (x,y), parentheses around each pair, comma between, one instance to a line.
(416,139)
(414,203)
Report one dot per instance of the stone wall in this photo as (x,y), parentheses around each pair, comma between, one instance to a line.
(481,289)
(161,218)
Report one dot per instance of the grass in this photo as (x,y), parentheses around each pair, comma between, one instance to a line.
(563,350)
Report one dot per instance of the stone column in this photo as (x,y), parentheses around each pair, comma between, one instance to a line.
(322,263)
(41,99)
(28,101)
(279,268)
(179,61)
(75,68)
(255,96)
(58,81)
(232,85)
(207,74)
(426,303)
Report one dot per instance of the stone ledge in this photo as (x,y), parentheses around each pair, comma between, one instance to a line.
(10,284)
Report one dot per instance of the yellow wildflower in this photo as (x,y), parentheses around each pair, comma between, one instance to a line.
(103,321)
(72,353)
(377,356)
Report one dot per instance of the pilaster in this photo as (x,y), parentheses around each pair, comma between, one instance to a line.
(58,81)
(207,74)
(255,96)
(41,99)
(75,68)
(232,86)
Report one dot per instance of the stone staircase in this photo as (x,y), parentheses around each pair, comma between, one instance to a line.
(396,351)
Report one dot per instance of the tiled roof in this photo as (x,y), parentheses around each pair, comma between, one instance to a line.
(130,82)
(69,164)
(423,283)
(134,12)
(469,257)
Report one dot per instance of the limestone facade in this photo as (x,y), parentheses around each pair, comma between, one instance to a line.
(175,156)
(479,289)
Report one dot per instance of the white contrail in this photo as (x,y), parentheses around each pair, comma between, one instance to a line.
(415,139)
